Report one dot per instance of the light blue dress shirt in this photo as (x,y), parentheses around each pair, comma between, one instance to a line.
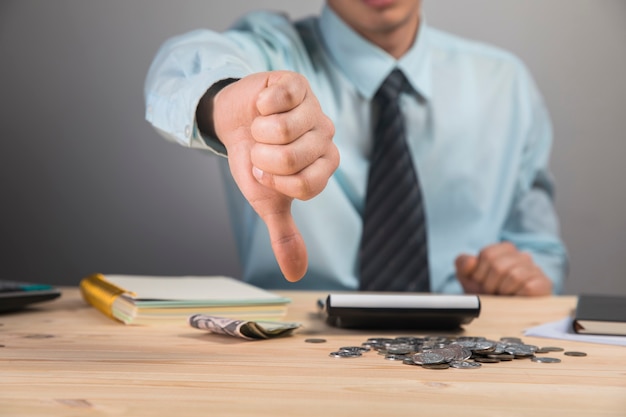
(478,132)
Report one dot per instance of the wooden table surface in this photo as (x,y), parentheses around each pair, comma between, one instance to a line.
(63,358)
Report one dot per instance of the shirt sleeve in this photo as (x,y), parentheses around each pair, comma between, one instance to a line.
(187,65)
(532,224)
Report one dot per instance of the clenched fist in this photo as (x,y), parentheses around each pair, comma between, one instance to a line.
(502,269)
(279,145)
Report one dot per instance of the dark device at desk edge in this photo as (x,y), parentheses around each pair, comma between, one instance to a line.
(16,295)
(378,311)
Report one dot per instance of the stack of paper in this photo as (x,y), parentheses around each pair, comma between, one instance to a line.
(151,300)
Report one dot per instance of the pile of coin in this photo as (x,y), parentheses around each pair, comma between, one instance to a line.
(442,352)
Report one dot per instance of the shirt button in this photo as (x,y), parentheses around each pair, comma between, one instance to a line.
(187,131)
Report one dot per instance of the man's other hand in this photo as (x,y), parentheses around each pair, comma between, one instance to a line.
(502,269)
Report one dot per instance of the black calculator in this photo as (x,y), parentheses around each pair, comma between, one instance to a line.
(16,295)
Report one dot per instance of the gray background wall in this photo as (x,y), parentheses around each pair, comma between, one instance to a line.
(87,186)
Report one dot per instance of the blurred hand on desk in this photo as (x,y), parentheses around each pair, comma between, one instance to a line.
(502,269)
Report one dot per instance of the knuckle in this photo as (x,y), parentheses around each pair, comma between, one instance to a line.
(286,160)
(300,80)
(516,276)
(296,83)
(280,129)
(526,257)
(287,96)
(498,269)
(534,287)
(303,188)
(489,255)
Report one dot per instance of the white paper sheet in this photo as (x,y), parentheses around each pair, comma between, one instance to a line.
(562,329)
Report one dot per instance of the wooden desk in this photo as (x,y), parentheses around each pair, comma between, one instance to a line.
(66,359)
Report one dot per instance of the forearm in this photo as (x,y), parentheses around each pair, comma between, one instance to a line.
(187,66)
(179,77)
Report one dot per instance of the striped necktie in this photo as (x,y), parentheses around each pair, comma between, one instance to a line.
(393,254)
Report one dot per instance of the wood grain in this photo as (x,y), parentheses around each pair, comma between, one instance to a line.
(64,358)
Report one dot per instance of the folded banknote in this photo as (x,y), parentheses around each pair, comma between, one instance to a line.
(249,330)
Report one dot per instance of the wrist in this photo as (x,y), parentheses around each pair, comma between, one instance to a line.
(206,108)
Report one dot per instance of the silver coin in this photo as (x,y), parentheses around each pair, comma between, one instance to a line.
(499,349)
(460,353)
(315,340)
(511,339)
(520,351)
(485,346)
(409,361)
(544,359)
(428,358)
(464,365)
(466,343)
(402,349)
(411,340)
(546,349)
(502,356)
(448,354)
(359,349)
(379,340)
(484,359)
(395,357)
(574,353)
(436,365)
(345,354)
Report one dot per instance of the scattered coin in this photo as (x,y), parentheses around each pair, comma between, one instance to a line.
(573,353)
(485,359)
(409,361)
(545,359)
(345,354)
(464,365)
(443,352)
(395,357)
(399,350)
(521,350)
(428,358)
(315,340)
(547,349)
(511,339)
(436,365)
(357,349)
(502,356)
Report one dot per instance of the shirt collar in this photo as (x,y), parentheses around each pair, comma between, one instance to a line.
(367,65)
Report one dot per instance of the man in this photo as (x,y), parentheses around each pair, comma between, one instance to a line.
(283,100)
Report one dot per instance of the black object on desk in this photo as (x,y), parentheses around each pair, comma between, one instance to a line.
(600,314)
(401,311)
(16,295)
